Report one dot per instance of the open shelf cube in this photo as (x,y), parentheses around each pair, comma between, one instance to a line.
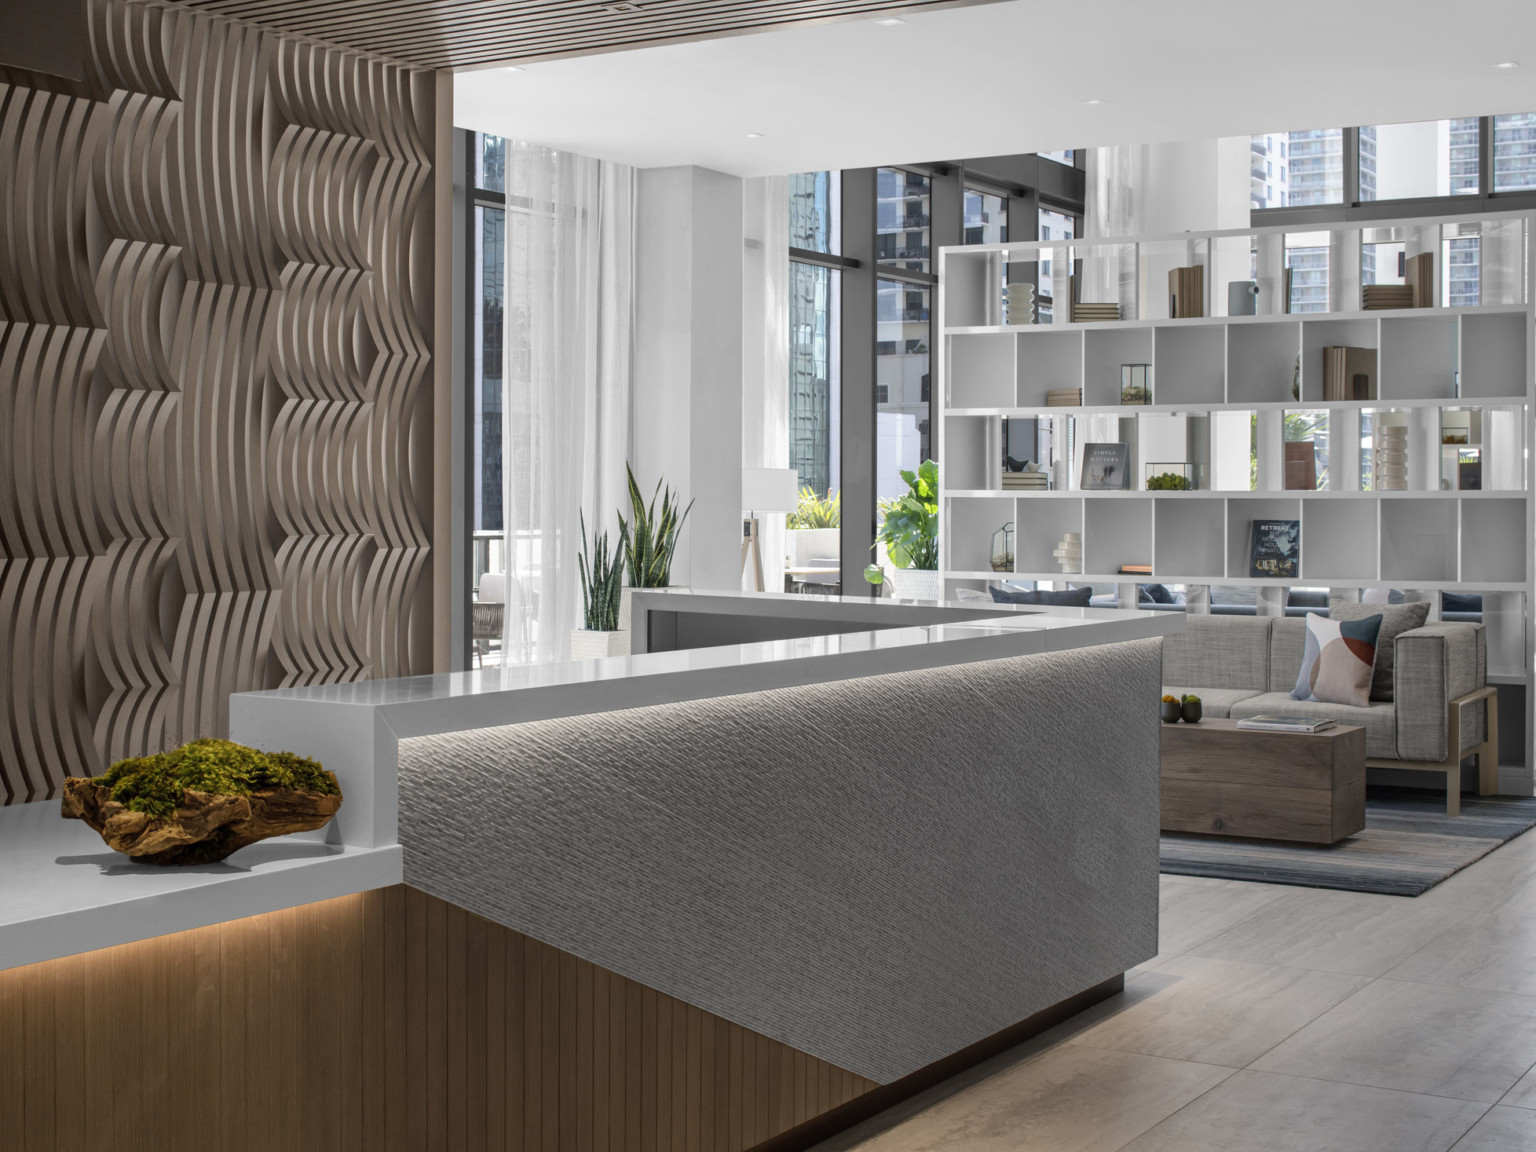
(973,293)
(1418,540)
(1105,350)
(1493,356)
(1039,528)
(1190,364)
(1261,361)
(981,370)
(1338,540)
(1319,334)
(1190,537)
(971,523)
(1418,357)
(1494,543)
(1048,360)
(1116,532)
(1241,513)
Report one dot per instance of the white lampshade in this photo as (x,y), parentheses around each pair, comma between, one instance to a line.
(770,489)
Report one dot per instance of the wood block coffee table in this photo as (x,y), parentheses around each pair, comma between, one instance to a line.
(1219,779)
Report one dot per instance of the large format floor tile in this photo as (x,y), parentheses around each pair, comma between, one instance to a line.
(1064,1100)
(1435,1039)
(1215,1011)
(1501,1130)
(1493,949)
(1193,909)
(1523,1094)
(1257,1112)
(1336,931)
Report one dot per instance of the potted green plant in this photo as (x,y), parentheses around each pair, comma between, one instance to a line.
(648,540)
(910,534)
(814,528)
(602,571)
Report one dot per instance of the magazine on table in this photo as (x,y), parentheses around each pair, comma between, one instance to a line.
(1286,724)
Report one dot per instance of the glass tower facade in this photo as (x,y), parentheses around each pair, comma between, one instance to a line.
(814,327)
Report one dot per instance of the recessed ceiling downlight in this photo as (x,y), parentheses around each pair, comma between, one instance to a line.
(1094,100)
(754,135)
(890,21)
(1507,65)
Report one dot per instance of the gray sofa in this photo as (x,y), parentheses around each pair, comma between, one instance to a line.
(1442,710)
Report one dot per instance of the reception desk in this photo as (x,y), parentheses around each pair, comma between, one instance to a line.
(869,834)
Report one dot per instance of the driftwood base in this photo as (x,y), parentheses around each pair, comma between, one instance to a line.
(205,828)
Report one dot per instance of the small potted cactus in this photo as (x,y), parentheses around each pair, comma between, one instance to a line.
(1189,706)
(1171,709)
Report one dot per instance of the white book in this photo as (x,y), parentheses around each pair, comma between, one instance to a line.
(1286,724)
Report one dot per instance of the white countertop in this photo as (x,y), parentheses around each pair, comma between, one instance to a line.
(62,890)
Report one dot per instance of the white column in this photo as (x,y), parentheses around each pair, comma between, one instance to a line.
(688,358)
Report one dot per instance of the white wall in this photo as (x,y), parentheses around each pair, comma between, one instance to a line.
(688,358)
(1151,189)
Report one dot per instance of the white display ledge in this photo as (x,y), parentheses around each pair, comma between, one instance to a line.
(63,891)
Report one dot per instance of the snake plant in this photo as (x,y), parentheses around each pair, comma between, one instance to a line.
(600,581)
(650,541)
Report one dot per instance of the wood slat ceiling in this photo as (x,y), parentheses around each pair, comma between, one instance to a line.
(483,33)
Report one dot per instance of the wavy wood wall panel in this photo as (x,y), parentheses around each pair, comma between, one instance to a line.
(387,1020)
(215,383)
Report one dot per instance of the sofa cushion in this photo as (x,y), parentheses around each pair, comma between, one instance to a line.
(1286,640)
(1230,651)
(1337,661)
(1378,719)
(1216,702)
(1395,619)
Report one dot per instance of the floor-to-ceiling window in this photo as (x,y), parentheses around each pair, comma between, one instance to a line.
(487,256)
(815,325)
(903,336)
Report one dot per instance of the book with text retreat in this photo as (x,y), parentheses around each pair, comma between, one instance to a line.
(1276,549)
(1104,467)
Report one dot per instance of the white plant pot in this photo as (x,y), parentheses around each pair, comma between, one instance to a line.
(588,645)
(805,545)
(915,584)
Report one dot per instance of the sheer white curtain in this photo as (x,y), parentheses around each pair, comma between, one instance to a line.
(568,382)
(765,351)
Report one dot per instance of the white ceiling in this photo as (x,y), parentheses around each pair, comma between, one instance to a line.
(1013,77)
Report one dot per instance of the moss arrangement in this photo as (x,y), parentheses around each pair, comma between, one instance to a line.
(198,803)
(154,784)
(1168,482)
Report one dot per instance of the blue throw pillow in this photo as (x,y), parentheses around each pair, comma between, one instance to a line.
(1070,598)
(1461,602)
(1155,593)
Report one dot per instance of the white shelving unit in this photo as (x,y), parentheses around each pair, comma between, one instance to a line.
(1423,540)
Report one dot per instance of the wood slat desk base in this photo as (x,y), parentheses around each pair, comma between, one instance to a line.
(1218,779)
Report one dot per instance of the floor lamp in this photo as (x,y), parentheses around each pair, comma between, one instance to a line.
(764,490)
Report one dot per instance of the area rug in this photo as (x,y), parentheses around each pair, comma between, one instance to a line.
(1408,846)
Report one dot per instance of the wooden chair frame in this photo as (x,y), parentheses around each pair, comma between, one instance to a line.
(1487,752)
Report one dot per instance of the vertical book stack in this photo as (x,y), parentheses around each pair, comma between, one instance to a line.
(1349,373)
(1186,292)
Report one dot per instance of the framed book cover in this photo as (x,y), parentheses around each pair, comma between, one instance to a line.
(1276,549)
(1104,467)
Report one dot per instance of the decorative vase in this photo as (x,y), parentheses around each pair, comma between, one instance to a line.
(1069,552)
(1172,710)
(915,584)
(1190,710)
(1391,458)
(590,645)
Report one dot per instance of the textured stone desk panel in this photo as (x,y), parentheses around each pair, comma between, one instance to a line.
(877,871)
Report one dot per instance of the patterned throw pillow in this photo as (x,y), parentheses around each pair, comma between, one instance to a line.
(1395,620)
(1337,661)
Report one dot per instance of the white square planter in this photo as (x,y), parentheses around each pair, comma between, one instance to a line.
(586,645)
(915,584)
